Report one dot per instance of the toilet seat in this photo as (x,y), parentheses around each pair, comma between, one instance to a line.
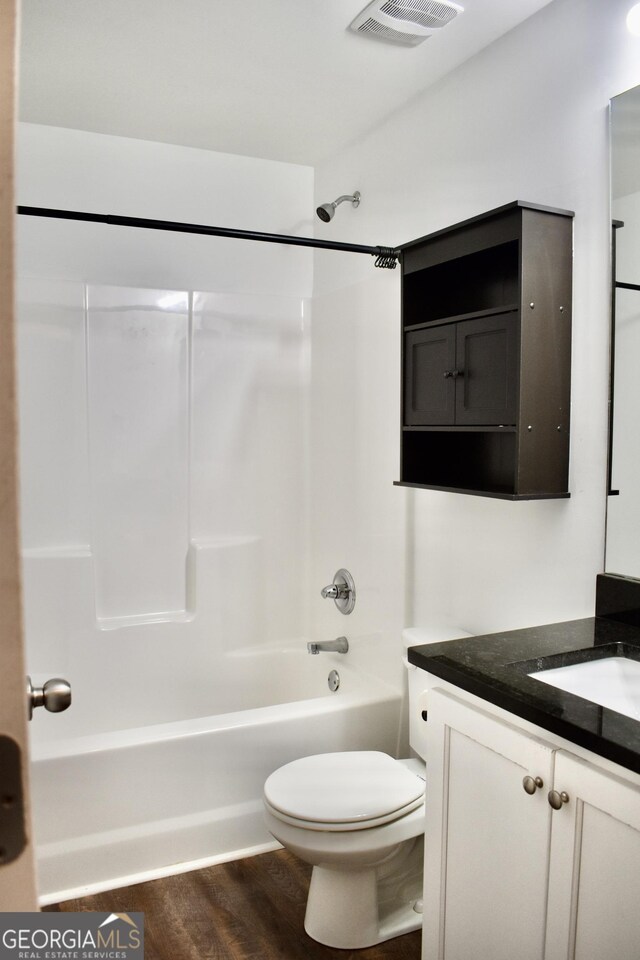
(343,791)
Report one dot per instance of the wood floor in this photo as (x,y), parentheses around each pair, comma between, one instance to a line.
(249,909)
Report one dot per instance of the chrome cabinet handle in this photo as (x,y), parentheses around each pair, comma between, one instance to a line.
(531,784)
(54,696)
(556,799)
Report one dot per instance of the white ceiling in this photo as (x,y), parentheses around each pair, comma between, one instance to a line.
(278,79)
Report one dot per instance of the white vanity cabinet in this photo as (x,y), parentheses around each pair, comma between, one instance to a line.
(506,875)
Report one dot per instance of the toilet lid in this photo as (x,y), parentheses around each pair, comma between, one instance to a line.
(351,787)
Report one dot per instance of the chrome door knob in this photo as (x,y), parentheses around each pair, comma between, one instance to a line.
(54,695)
(531,784)
(556,799)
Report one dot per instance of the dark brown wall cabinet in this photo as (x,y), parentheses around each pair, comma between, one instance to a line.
(486,321)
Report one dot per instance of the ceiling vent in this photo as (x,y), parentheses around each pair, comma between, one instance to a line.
(404,22)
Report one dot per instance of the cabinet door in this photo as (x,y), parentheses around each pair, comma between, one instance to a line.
(429,396)
(487,840)
(486,353)
(594,879)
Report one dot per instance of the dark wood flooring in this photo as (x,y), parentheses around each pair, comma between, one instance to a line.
(249,909)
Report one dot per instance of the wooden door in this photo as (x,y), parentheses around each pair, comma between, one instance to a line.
(17,876)
(487,840)
(429,395)
(594,874)
(486,389)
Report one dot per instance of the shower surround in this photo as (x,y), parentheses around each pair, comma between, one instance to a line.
(188,485)
(151,418)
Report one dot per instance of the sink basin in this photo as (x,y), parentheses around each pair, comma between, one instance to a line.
(612,682)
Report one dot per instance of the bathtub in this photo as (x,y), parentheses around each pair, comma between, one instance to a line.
(117,807)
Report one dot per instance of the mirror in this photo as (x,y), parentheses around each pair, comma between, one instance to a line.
(623,515)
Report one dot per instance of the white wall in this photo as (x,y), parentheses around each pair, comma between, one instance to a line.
(73,169)
(525,119)
(164,386)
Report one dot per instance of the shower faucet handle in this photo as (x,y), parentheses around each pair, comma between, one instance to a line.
(342,591)
(54,696)
(334,592)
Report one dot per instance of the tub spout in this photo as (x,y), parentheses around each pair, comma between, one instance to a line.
(341,645)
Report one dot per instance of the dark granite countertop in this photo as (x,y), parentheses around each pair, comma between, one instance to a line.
(494,667)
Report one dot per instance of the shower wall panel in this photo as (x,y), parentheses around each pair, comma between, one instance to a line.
(163,429)
(164,466)
(249,464)
(137,366)
(53,414)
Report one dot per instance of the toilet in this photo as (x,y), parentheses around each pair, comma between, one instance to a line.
(358,818)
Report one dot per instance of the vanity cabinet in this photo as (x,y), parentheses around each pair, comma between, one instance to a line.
(506,875)
(486,346)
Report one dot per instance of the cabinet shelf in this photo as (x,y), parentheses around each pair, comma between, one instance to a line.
(486,355)
(475,492)
(478,428)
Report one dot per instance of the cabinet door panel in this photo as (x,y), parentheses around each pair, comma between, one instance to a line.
(429,397)
(486,351)
(486,857)
(595,866)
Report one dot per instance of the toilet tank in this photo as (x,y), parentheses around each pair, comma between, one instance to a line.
(415,637)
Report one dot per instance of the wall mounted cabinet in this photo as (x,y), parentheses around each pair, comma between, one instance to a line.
(486,347)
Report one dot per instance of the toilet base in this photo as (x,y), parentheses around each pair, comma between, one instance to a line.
(351,909)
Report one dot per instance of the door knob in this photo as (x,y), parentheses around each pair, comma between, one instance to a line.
(556,799)
(54,696)
(531,784)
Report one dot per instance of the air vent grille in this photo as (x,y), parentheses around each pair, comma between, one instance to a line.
(405,22)
(428,13)
(372,26)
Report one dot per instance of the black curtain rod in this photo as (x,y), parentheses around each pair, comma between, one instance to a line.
(627,286)
(386,257)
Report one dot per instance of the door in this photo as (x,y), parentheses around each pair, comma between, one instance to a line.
(595,865)
(17,873)
(487,362)
(462,374)
(487,838)
(429,384)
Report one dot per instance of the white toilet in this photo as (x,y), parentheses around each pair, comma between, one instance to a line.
(358,817)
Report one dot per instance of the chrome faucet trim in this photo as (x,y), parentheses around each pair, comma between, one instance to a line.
(342,591)
(340,645)
(334,592)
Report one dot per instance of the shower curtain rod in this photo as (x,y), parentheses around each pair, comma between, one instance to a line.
(386,257)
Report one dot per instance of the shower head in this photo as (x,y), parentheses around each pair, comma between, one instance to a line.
(326,210)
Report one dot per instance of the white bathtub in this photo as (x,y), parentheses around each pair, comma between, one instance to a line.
(139,802)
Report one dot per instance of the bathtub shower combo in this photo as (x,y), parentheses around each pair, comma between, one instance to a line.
(137,803)
(165,516)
